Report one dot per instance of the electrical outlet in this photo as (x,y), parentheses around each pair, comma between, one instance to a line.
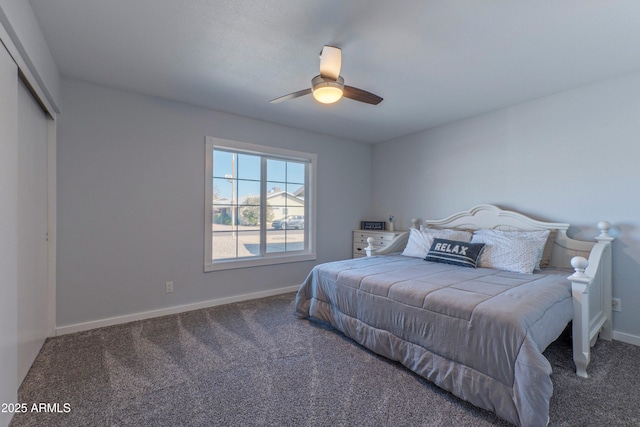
(168,287)
(616,304)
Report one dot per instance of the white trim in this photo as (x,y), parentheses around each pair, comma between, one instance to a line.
(208,191)
(258,149)
(258,261)
(52,221)
(627,338)
(79,327)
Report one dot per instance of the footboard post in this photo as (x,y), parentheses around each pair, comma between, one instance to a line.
(605,238)
(579,290)
(591,292)
(370,248)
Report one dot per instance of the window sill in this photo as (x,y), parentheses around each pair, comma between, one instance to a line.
(248,263)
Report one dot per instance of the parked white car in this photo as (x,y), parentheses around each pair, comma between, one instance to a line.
(291,221)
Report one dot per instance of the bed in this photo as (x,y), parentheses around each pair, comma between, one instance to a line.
(476,332)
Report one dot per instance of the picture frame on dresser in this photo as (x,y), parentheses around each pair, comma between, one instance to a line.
(373,225)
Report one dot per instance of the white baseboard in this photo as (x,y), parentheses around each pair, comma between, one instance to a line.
(78,327)
(628,338)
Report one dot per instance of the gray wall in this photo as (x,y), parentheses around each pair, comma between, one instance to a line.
(572,157)
(131,202)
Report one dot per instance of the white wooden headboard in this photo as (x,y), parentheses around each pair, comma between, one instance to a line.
(490,216)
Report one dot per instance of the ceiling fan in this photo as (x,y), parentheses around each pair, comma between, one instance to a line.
(328,87)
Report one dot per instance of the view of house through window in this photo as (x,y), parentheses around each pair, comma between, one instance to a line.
(258,204)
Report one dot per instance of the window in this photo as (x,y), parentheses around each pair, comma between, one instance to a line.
(259,205)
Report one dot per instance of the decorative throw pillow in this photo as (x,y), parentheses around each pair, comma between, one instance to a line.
(516,251)
(454,252)
(420,241)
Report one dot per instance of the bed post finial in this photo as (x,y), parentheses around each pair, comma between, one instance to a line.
(414,222)
(579,264)
(604,227)
(369,247)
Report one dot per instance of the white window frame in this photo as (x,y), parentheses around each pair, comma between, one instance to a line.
(308,254)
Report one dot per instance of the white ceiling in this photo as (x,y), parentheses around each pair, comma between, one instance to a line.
(433,62)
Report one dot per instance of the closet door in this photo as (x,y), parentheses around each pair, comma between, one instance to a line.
(8,232)
(33,315)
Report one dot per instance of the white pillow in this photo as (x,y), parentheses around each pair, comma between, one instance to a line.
(417,245)
(516,251)
(420,241)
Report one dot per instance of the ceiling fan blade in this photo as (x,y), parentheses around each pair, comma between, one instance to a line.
(330,62)
(361,95)
(293,95)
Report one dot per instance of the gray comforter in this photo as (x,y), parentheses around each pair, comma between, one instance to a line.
(478,333)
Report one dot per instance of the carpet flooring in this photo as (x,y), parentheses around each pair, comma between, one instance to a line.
(254,363)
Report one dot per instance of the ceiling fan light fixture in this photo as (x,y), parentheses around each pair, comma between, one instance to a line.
(328,87)
(327,91)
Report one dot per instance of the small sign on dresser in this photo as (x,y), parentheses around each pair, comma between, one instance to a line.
(372,225)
